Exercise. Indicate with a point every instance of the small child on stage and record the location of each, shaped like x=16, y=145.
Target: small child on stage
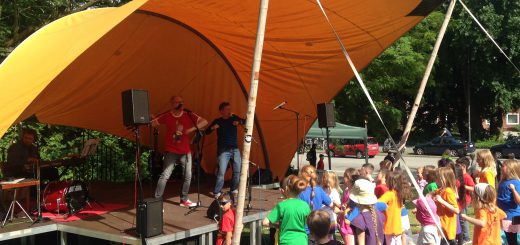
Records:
x=227, y=223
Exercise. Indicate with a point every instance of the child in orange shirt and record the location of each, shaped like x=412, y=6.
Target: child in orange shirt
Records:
x=399, y=189
x=488, y=170
x=488, y=216
x=446, y=200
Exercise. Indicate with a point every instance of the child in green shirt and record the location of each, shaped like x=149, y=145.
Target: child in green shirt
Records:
x=290, y=214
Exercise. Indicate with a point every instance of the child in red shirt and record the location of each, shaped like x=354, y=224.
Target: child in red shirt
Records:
x=321, y=164
x=381, y=187
x=227, y=222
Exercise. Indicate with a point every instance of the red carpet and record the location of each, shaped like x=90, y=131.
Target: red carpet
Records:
x=87, y=212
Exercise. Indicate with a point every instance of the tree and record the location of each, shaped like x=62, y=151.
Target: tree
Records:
x=468, y=58
x=392, y=81
x=20, y=18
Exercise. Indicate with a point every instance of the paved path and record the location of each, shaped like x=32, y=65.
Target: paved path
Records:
x=339, y=164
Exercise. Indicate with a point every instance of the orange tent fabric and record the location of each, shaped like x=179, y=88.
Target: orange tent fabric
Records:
x=72, y=71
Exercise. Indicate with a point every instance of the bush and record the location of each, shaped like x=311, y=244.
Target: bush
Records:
x=488, y=143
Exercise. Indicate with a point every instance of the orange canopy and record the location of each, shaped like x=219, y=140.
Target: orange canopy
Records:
x=72, y=71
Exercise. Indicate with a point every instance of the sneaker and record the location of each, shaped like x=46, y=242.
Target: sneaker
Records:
x=217, y=195
x=235, y=192
x=188, y=204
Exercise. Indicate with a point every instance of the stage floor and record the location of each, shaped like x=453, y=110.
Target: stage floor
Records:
x=117, y=226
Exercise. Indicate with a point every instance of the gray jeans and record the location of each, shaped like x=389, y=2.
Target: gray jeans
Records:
x=169, y=163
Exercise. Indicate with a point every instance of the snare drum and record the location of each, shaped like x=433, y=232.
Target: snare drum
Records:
x=65, y=196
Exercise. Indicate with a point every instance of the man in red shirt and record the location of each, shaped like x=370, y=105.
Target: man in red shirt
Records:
x=179, y=124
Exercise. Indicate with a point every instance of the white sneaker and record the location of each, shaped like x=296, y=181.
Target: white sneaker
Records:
x=188, y=204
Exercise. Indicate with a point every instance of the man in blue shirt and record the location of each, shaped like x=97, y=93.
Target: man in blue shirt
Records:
x=227, y=146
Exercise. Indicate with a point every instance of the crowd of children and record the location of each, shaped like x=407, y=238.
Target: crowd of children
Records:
x=372, y=211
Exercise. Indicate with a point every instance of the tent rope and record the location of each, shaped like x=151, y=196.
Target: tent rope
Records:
x=362, y=84
x=488, y=35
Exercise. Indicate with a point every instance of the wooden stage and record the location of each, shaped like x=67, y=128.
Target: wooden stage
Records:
x=117, y=226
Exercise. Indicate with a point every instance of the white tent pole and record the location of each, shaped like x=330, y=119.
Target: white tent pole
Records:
x=426, y=76
x=255, y=74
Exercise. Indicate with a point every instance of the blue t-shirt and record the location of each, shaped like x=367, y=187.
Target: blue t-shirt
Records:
x=381, y=207
x=320, y=197
x=506, y=199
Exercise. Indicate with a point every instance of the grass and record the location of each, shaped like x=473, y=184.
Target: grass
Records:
x=415, y=226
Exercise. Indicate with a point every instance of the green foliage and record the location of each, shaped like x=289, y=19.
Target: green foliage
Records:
x=392, y=81
x=468, y=66
x=488, y=143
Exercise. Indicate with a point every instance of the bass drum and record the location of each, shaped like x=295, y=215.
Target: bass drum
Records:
x=65, y=196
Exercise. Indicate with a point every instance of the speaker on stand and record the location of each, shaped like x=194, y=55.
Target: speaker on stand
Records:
x=326, y=119
x=136, y=113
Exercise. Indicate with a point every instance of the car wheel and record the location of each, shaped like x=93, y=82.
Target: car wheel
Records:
x=419, y=151
x=359, y=154
x=454, y=153
x=498, y=154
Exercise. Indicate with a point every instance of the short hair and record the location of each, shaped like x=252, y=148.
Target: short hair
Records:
x=223, y=105
x=319, y=223
x=463, y=161
x=368, y=165
x=225, y=198
x=29, y=131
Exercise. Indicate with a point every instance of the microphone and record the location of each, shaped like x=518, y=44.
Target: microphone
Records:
x=279, y=106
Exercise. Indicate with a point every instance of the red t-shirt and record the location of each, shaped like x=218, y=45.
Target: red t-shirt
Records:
x=174, y=124
x=321, y=165
x=469, y=182
x=227, y=224
x=380, y=190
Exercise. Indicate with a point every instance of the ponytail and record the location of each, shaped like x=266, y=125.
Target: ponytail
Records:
x=312, y=194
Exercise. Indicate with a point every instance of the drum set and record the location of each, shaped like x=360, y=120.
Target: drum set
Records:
x=70, y=196
x=65, y=196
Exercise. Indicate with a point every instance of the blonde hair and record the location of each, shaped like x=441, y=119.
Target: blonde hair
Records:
x=513, y=169
x=325, y=182
x=374, y=221
x=304, y=174
x=487, y=201
x=489, y=161
x=446, y=178
x=349, y=172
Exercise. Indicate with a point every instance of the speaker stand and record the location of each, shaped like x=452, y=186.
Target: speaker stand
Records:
x=297, y=116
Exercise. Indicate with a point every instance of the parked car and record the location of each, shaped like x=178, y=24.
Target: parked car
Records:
x=512, y=146
x=355, y=147
x=438, y=145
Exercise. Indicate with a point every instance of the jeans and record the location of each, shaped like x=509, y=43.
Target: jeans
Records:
x=224, y=157
x=170, y=159
x=464, y=225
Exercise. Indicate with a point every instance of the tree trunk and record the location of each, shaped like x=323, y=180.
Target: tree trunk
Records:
x=251, y=106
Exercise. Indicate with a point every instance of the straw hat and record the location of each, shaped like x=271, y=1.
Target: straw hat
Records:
x=363, y=192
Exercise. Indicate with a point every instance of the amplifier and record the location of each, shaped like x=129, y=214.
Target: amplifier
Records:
x=150, y=217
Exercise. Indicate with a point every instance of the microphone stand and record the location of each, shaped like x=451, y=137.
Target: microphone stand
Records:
x=297, y=115
x=39, y=218
x=200, y=146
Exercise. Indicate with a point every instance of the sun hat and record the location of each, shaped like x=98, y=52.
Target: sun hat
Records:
x=363, y=192
x=480, y=189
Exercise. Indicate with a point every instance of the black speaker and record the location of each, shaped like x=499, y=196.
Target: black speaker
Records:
x=326, y=118
x=150, y=217
x=135, y=107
